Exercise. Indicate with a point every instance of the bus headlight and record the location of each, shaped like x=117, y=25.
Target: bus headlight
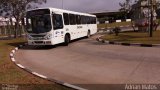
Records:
x=29, y=37
x=49, y=36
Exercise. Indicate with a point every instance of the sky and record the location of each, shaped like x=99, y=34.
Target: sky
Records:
x=87, y=6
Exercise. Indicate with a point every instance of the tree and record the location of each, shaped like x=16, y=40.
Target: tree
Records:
x=127, y=7
x=17, y=8
x=141, y=17
x=116, y=30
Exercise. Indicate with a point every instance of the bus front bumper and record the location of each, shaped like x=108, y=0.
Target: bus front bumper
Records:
x=40, y=42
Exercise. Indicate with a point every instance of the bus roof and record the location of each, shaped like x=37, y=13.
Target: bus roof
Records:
x=62, y=10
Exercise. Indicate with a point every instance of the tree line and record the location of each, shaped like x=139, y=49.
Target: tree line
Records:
x=16, y=9
x=133, y=7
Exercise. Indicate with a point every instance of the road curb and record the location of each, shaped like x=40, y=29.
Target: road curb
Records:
x=127, y=44
x=12, y=53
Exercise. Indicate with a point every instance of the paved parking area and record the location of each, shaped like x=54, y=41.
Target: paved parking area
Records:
x=89, y=62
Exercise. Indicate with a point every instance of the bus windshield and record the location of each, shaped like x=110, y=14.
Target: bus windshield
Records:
x=39, y=23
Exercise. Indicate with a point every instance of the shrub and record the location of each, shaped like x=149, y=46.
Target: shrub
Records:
x=116, y=30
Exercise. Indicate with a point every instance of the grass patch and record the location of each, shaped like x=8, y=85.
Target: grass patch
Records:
x=3, y=35
x=135, y=37
x=11, y=74
x=115, y=24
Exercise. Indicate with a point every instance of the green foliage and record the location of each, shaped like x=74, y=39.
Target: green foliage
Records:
x=134, y=37
x=125, y=6
x=113, y=25
x=116, y=30
x=17, y=9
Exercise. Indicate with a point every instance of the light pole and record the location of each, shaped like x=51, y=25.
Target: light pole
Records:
x=149, y=16
x=151, y=19
x=62, y=4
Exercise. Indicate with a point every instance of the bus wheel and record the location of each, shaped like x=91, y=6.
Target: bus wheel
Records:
x=88, y=34
x=66, y=40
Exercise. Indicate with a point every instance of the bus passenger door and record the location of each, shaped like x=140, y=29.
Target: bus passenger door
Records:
x=58, y=28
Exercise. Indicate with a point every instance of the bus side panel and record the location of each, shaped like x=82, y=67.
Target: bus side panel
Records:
x=92, y=28
x=58, y=37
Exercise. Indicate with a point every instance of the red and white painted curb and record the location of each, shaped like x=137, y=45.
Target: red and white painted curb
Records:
x=12, y=53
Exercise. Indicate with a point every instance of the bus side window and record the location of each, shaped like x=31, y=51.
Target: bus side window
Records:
x=57, y=21
x=88, y=20
x=78, y=19
x=94, y=21
x=66, y=18
x=84, y=20
x=72, y=19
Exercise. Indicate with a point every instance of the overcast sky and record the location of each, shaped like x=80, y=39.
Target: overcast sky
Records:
x=85, y=5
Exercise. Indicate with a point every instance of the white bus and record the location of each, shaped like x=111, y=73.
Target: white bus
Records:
x=50, y=26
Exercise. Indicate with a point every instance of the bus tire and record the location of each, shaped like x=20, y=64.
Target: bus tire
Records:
x=88, y=34
x=66, y=40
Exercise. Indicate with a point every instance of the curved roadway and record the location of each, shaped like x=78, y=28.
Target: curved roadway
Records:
x=87, y=62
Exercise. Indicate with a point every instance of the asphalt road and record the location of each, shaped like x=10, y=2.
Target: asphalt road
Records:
x=86, y=62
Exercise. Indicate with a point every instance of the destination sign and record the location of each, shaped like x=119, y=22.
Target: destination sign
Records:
x=38, y=12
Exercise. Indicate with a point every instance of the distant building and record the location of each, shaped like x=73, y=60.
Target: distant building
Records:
x=111, y=16
x=5, y=21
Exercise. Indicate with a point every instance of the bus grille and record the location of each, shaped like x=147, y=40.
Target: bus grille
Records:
x=38, y=42
x=37, y=35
